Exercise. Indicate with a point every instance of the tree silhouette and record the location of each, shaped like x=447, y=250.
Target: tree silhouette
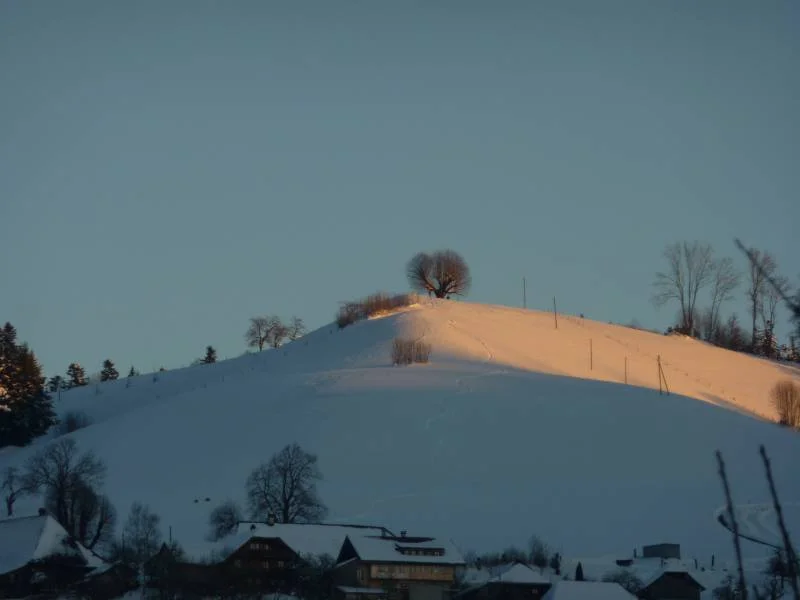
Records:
x=442, y=273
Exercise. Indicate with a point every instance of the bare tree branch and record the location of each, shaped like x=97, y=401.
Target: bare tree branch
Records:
x=256, y=335
x=443, y=273
x=689, y=269
x=787, y=542
x=725, y=279
x=296, y=329
x=734, y=524
x=286, y=487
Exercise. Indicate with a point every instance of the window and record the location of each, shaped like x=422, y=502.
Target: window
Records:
x=265, y=564
x=280, y=564
x=237, y=563
x=360, y=574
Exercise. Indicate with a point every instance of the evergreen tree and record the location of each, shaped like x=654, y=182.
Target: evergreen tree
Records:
x=133, y=372
x=579, y=573
x=26, y=410
x=769, y=346
x=55, y=383
x=109, y=372
x=210, y=357
x=77, y=376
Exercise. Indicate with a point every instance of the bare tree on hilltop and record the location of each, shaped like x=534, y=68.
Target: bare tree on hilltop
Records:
x=763, y=270
x=297, y=328
x=285, y=487
x=271, y=331
x=443, y=273
x=690, y=268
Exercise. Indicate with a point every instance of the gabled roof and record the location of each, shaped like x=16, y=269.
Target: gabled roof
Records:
x=587, y=590
x=390, y=550
x=26, y=539
x=302, y=538
x=671, y=571
x=520, y=573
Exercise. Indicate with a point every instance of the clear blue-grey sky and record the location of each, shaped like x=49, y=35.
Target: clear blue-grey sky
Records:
x=170, y=168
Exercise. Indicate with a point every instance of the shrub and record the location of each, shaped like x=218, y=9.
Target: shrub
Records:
x=374, y=304
x=405, y=352
x=786, y=400
x=73, y=421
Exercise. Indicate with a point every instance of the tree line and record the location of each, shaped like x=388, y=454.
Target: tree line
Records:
x=699, y=284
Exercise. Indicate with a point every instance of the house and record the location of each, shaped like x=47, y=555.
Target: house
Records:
x=405, y=568
x=256, y=556
x=587, y=590
x=672, y=584
x=516, y=582
x=664, y=551
x=38, y=555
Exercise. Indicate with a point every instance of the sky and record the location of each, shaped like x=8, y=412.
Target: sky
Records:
x=170, y=169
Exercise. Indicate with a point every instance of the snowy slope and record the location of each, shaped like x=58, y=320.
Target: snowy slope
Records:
x=506, y=433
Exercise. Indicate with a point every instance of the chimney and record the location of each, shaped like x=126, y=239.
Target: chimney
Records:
x=271, y=519
x=403, y=533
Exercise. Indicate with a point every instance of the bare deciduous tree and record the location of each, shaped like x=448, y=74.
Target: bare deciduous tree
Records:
x=442, y=273
x=13, y=487
x=276, y=332
x=286, y=488
x=539, y=552
x=785, y=398
x=223, y=520
x=725, y=279
x=141, y=536
x=69, y=480
x=771, y=297
x=690, y=267
x=256, y=335
x=90, y=516
x=297, y=328
x=762, y=266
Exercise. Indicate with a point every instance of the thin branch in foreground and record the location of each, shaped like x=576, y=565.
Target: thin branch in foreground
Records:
x=734, y=525
x=791, y=556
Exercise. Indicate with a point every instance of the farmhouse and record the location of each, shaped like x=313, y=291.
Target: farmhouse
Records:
x=672, y=584
x=405, y=568
x=38, y=555
x=517, y=582
x=256, y=557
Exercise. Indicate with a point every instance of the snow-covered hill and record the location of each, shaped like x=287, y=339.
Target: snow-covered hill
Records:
x=507, y=432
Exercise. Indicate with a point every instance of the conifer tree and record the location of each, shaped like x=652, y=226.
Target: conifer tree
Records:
x=109, y=372
x=210, y=357
x=26, y=411
x=77, y=375
x=579, y=573
x=133, y=372
x=55, y=383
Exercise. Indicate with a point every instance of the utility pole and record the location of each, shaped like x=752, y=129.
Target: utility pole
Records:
x=524, y=294
x=555, y=312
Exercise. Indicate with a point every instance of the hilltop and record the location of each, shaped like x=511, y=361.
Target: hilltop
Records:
x=507, y=432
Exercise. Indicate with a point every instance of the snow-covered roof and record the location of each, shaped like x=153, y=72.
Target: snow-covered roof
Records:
x=32, y=538
x=388, y=549
x=668, y=571
x=520, y=573
x=303, y=538
x=587, y=590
